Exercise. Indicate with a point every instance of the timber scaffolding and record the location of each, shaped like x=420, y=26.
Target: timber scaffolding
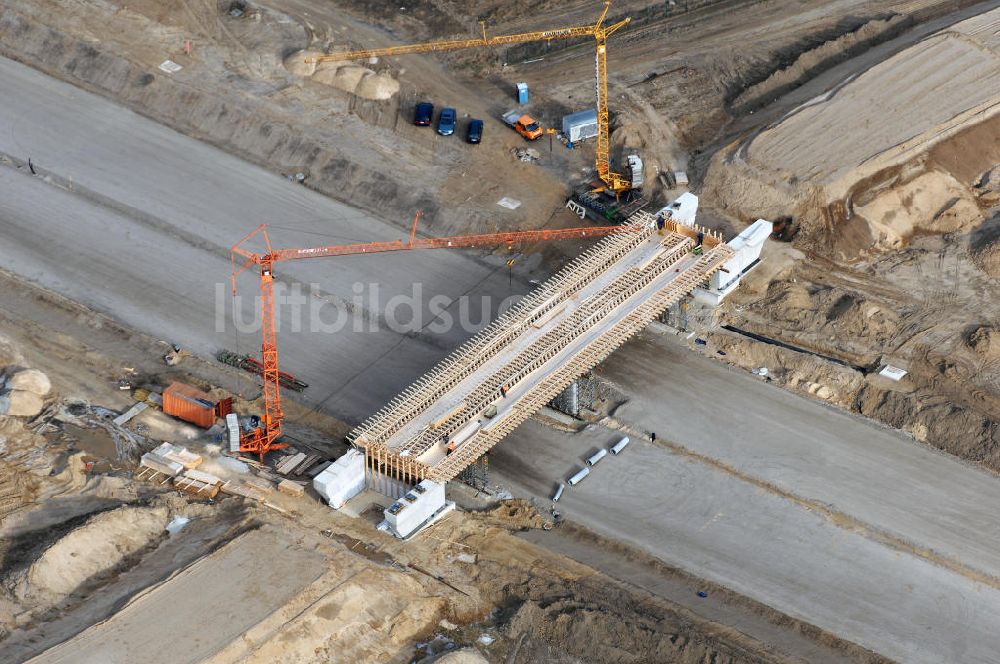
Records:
x=475, y=397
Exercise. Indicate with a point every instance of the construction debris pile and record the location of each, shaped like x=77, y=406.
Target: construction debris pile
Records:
x=23, y=392
x=528, y=155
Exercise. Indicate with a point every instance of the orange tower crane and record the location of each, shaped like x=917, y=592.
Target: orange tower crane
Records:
x=264, y=438
x=613, y=182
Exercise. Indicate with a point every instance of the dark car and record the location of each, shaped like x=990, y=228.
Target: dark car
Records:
x=475, y=132
x=423, y=113
x=446, y=121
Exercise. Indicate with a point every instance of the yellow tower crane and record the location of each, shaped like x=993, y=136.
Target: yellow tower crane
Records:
x=613, y=182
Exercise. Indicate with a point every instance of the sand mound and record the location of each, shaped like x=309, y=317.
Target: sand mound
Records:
x=464, y=656
x=517, y=514
x=985, y=341
x=855, y=316
x=347, y=76
x=789, y=301
x=984, y=249
x=331, y=66
x=933, y=202
x=988, y=260
x=326, y=73
x=600, y=631
x=30, y=380
x=377, y=86
x=95, y=548
x=19, y=403
x=21, y=393
x=297, y=64
x=791, y=295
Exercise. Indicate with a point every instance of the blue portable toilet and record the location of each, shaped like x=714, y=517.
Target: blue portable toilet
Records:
x=522, y=93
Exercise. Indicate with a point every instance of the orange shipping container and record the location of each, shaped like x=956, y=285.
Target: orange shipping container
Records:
x=189, y=404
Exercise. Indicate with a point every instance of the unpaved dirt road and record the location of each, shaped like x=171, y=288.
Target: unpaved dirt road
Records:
x=138, y=220
x=797, y=505
x=223, y=590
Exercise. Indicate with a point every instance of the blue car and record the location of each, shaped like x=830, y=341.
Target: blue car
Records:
x=446, y=121
x=423, y=113
x=475, y=131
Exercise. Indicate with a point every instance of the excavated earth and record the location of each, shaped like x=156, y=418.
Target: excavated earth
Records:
x=884, y=182
x=892, y=258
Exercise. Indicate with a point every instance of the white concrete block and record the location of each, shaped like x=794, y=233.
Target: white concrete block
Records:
x=342, y=480
x=409, y=513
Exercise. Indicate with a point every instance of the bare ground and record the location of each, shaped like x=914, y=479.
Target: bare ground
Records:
x=389, y=601
x=689, y=79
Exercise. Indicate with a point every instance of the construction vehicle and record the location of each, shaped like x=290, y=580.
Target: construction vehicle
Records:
x=263, y=438
x=524, y=124
x=611, y=182
x=606, y=209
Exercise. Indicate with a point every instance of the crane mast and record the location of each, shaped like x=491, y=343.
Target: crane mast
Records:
x=273, y=414
x=264, y=438
x=613, y=182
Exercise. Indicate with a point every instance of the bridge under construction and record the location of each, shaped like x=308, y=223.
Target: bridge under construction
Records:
x=470, y=401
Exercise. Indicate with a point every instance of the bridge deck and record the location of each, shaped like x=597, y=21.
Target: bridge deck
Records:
x=475, y=397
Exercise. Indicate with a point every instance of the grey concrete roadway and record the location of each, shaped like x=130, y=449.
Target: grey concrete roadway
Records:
x=703, y=520
x=878, y=476
x=728, y=516
x=141, y=224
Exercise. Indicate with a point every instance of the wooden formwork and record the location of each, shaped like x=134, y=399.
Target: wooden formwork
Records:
x=709, y=238
x=389, y=473
x=589, y=313
x=442, y=378
x=392, y=469
x=594, y=353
